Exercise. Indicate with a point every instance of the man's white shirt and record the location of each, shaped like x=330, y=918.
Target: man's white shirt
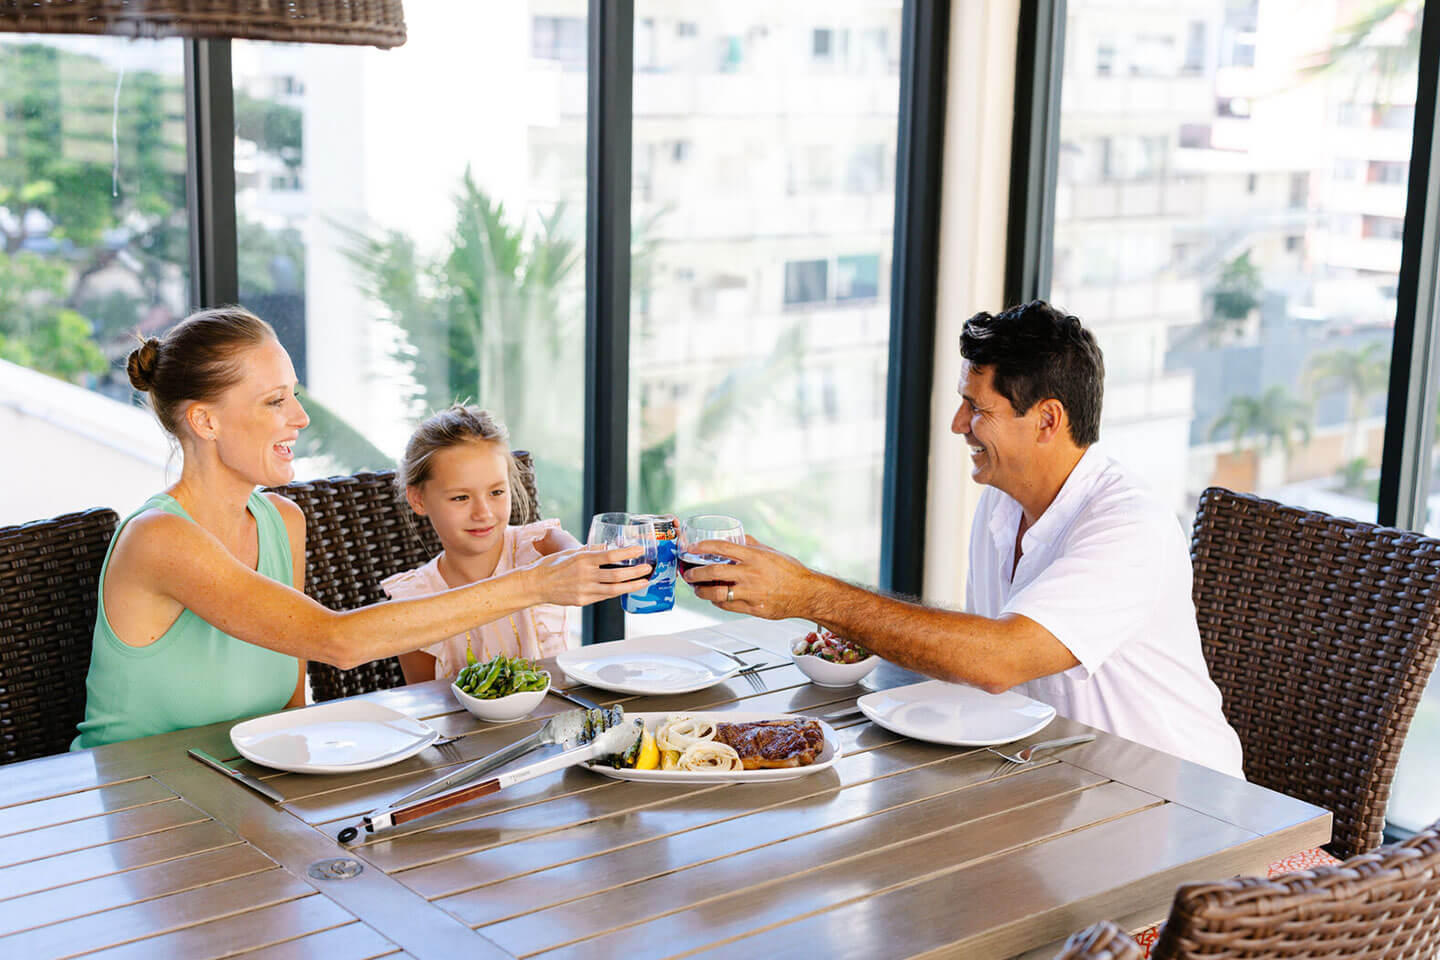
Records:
x=1106, y=569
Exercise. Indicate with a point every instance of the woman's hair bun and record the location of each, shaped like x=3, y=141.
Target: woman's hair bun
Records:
x=141, y=364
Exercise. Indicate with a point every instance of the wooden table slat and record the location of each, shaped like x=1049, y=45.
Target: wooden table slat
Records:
x=746, y=816
x=151, y=917
x=119, y=889
x=997, y=897
x=82, y=805
x=96, y=831
x=227, y=936
x=92, y=862
x=790, y=879
x=354, y=941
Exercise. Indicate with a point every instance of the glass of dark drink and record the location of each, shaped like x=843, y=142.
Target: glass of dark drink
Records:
x=708, y=526
x=615, y=530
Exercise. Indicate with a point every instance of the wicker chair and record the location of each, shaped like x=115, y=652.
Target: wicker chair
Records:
x=1321, y=633
x=1383, y=905
x=49, y=575
x=357, y=533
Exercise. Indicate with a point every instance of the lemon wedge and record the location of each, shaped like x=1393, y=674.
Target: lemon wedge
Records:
x=649, y=757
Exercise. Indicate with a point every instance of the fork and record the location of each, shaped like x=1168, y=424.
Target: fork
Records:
x=447, y=748
x=1024, y=756
x=750, y=671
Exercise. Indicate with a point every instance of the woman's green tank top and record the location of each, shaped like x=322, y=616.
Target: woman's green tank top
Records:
x=194, y=674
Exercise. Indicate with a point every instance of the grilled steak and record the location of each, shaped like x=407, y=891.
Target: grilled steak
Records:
x=773, y=743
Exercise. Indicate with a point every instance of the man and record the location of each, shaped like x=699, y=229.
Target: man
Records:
x=1079, y=579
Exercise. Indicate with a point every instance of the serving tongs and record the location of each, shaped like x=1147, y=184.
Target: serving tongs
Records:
x=620, y=741
x=569, y=729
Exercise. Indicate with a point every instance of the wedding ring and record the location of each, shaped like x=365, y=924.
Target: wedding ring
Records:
x=730, y=594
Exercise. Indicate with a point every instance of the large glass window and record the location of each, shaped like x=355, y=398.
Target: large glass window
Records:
x=1229, y=220
x=94, y=245
x=1231, y=198
x=412, y=222
x=764, y=199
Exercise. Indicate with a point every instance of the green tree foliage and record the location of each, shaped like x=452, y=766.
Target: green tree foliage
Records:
x=1360, y=373
x=1236, y=292
x=36, y=330
x=1271, y=418
x=60, y=194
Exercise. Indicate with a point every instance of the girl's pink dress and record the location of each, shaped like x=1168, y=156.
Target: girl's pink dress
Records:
x=540, y=631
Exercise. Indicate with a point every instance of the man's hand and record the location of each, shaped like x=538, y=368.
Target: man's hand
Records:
x=761, y=581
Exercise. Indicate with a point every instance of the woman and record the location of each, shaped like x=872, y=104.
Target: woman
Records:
x=201, y=615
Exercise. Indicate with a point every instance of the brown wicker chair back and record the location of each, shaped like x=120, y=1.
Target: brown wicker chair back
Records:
x=1383, y=905
x=1376, y=906
x=1321, y=633
x=358, y=531
x=49, y=590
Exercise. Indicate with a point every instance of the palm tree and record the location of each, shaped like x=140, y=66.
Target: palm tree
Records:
x=1273, y=417
x=1360, y=373
x=1383, y=40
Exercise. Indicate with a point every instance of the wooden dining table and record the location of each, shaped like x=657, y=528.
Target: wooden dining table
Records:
x=902, y=848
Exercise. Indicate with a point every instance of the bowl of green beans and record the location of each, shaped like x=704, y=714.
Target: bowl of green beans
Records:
x=501, y=688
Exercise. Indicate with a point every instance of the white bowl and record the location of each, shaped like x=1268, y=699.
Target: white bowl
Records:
x=827, y=674
x=513, y=707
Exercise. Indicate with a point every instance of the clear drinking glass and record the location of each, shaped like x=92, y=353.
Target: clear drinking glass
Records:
x=710, y=526
x=615, y=530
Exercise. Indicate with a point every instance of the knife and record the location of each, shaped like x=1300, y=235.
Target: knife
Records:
x=569, y=729
x=617, y=741
x=249, y=781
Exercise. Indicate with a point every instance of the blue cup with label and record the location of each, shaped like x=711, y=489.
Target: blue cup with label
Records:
x=659, y=596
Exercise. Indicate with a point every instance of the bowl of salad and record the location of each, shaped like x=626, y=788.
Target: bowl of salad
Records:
x=501, y=688
x=830, y=661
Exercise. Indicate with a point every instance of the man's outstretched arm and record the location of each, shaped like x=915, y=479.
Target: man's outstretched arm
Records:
x=993, y=654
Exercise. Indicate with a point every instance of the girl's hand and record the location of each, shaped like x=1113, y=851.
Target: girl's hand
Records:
x=578, y=578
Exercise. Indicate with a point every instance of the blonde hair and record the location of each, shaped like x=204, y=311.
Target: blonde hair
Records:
x=196, y=361
x=456, y=425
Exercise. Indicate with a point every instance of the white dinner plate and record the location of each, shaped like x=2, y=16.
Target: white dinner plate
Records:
x=824, y=761
x=339, y=737
x=648, y=666
x=955, y=714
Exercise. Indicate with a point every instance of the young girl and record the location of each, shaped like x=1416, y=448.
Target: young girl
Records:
x=459, y=474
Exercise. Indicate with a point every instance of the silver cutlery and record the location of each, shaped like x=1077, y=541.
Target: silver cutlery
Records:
x=615, y=741
x=1025, y=754
x=569, y=729
x=249, y=781
x=578, y=701
x=750, y=671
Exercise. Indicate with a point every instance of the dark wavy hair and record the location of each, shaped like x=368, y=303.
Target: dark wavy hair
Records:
x=1037, y=352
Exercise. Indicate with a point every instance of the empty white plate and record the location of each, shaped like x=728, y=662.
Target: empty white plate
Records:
x=340, y=737
x=955, y=714
x=648, y=666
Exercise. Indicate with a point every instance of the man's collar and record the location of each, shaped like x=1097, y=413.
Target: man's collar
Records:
x=1004, y=519
x=1070, y=498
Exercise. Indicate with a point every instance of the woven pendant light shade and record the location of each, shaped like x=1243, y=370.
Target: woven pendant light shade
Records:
x=379, y=23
